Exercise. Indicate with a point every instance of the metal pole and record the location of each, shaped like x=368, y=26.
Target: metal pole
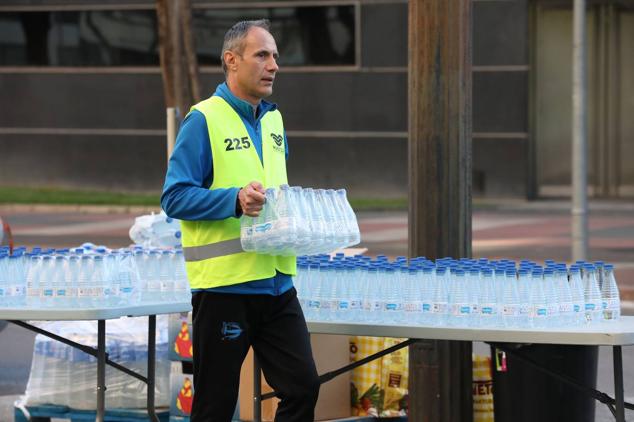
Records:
x=171, y=131
x=579, y=136
x=151, y=368
x=101, y=370
x=619, y=396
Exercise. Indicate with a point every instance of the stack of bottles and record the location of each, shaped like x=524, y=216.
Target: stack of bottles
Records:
x=460, y=293
x=156, y=231
x=301, y=221
x=66, y=376
x=91, y=277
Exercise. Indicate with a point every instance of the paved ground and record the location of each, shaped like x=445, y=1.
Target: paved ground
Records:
x=514, y=230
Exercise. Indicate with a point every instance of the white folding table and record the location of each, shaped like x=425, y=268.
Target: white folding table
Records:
x=19, y=316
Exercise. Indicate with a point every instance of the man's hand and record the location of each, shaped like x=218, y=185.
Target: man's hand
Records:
x=251, y=199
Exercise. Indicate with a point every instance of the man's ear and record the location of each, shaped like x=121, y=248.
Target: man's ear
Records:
x=230, y=59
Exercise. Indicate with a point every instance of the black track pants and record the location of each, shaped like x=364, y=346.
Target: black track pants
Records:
x=225, y=325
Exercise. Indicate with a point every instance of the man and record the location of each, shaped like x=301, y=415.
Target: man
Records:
x=229, y=149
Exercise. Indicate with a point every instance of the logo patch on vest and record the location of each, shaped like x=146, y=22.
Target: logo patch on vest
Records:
x=279, y=140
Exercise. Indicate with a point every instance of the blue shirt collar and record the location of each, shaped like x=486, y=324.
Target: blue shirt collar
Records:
x=242, y=107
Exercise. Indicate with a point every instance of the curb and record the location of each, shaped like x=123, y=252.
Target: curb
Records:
x=82, y=209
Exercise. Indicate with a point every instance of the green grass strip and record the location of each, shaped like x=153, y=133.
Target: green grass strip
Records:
x=22, y=195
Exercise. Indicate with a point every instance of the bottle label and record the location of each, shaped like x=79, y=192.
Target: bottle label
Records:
x=439, y=308
x=539, y=312
x=565, y=308
x=612, y=304
x=84, y=292
x=33, y=292
x=153, y=286
x=488, y=309
x=427, y=307
x=576, y=308
x=511, y=310
x=60, y=292
x=344, y=305
x=525, y=310
x=590, y=306
x=314, y=304
x=375, y=306
x=2, y=292
x=414, y=307
x=476, y=309
x=553, y=309
x=458, y=309
x=355, y=304
x=97, y=292
x=47, y=292
x=391, y=307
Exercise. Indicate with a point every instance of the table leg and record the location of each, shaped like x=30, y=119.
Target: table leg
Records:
x=101, y=370
x=151, y=367
x=617, y=363
x=257, y=391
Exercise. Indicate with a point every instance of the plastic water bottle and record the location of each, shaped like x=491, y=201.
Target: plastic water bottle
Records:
x=98, y=282
x=510, y=300
x=314, y=300
x=47, y=291
x=302, y=219
x=413, y=292
x=552, y=299
x=84, y=283
x=33, y=290
x=353, y=276
x=592, y=295
x=325, y=212
x=610, y=295
x=373, y=302
x=459, y=301
x=564, y=293
x=181, y=286
x=578, y=296
x=393, y=306
x=352, y=226
x=488, y=304
x=440, y=299
x=58, y=277
x=538, y=302
x=523, y=289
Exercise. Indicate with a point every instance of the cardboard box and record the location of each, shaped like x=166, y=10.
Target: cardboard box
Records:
x=180, y=336
x=330, y=352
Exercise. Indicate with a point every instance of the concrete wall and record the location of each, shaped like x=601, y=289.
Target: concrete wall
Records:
x=347, y=128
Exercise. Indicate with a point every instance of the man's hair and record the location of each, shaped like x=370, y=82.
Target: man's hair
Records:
x=234, y=38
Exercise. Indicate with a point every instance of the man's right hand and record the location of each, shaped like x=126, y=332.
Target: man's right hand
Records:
x=251, y=199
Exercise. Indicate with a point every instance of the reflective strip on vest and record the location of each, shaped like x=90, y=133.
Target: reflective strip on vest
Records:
x=212, y=250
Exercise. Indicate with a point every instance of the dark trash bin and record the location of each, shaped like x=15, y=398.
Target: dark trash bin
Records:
x=525, y=394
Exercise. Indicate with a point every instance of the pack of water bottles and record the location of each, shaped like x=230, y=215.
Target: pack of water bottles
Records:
x=301, y=221
x=156, y=231
x=459, y=293
x=66, y=376
x=91, y=277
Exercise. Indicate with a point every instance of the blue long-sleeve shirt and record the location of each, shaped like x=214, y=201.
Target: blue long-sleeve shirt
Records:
x=186, y=194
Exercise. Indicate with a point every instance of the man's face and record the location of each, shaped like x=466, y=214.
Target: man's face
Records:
x=257, y=65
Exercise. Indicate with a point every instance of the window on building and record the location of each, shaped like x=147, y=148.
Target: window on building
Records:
x=83, y=38
x=306, y=36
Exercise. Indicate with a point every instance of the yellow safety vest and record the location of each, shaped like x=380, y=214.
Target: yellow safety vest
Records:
x=213, y=255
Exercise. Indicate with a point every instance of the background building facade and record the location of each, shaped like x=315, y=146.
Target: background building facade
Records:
x=82, y=99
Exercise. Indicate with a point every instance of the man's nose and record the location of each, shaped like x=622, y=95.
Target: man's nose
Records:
x=272, y=65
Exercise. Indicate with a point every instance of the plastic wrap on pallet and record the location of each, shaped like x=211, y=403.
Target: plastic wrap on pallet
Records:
x=63, y=375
